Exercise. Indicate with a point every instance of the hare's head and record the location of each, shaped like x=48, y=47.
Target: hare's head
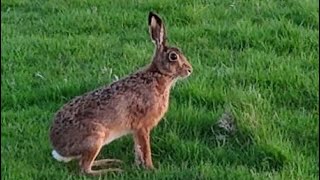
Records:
x=168, y=60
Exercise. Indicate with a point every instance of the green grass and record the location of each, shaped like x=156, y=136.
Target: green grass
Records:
x=258, y=59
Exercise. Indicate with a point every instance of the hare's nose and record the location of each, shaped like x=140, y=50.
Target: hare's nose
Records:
x=189, y=71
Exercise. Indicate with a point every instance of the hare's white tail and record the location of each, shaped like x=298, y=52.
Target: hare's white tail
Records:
x=60, y=158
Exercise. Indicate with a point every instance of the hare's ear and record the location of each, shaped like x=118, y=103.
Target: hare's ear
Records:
x=156, y=30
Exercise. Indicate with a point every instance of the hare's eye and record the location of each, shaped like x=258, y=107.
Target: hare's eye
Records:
x=173, y=56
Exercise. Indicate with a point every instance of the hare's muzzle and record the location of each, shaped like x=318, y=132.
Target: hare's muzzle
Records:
x=186, y=72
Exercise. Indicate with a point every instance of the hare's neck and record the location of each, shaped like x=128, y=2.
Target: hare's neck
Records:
x=164, y=84
x=163, y=81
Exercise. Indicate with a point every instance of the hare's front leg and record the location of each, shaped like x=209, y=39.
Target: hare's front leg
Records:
x=142, y=148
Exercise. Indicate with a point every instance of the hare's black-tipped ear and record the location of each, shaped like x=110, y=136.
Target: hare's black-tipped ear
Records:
x=156, y=29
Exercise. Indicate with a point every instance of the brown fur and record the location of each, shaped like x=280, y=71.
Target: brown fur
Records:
x=134, y=104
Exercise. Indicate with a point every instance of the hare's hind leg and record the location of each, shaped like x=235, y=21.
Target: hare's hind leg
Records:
x=105, y=162
x=87, y=161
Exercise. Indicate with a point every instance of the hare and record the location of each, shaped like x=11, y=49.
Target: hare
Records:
x=132, y=105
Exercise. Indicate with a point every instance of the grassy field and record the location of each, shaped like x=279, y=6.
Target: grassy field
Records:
x=256, y=59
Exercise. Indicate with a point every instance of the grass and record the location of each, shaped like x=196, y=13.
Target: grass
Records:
x=257, y=59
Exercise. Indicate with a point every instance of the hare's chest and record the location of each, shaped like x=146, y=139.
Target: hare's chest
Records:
x=160, y=108
x=163, y=104
x=149, y=113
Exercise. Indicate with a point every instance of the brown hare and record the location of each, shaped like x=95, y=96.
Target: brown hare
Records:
x=132, y=105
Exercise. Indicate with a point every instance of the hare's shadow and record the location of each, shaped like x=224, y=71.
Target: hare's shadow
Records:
x=238, y=148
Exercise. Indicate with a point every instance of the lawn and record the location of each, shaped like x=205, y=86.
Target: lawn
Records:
x=256, y=60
